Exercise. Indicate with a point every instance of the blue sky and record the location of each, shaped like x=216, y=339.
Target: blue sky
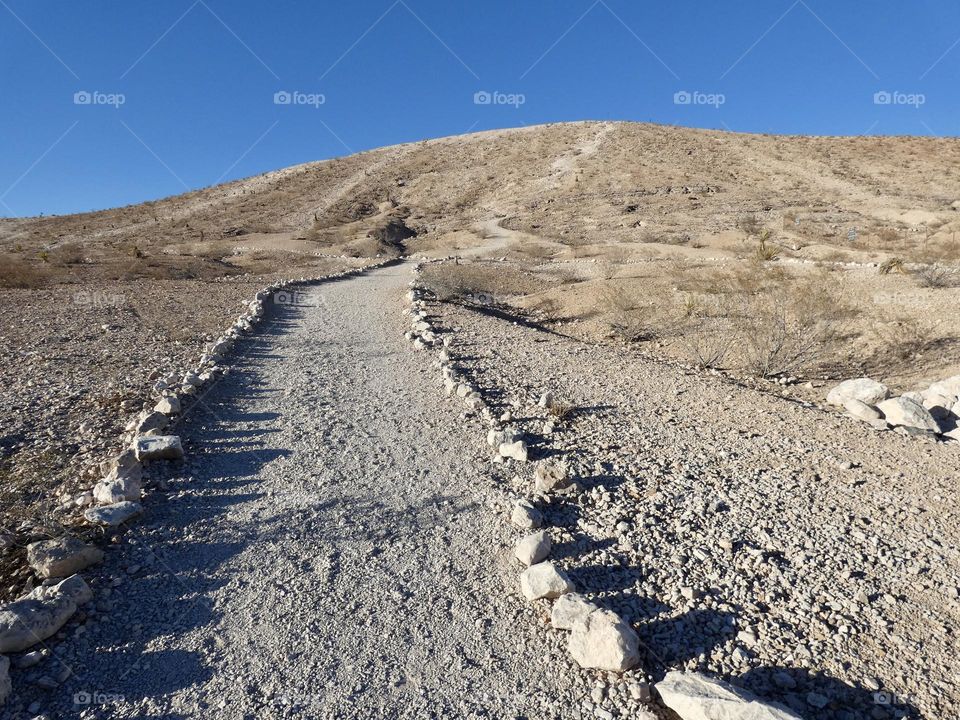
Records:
x=112, y=102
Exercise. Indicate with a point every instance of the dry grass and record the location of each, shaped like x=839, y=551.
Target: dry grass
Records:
x=18, y=273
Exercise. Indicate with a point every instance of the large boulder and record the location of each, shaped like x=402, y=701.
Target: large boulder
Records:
x=569, y=610
x=544, y=580
x=863, y=389
x=533, y=548
x=40, y=614
x=604, y=641
x=61, y=557
x=695, y=696
x=159, y=447
x=904, y=412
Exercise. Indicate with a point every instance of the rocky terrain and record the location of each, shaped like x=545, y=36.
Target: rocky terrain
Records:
x=675, y=425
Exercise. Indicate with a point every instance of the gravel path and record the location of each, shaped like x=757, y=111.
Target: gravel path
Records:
x=331, y=549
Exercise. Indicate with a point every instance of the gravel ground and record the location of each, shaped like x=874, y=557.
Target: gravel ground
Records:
x=333, y=547
x=76, y=362
x=786, y=548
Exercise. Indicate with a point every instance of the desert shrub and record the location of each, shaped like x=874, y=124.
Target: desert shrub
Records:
x=16, y=273
x=70, y=253
x=765, y=249
x=891, y=265
x=706, y=344
x=789, y=326
x=935, y=276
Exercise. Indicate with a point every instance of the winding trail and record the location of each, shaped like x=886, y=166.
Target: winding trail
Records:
x=332, y=550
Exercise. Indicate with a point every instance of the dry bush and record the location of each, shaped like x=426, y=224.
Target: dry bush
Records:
x=70, y=253
x=789, y=327
x=627, y=319
x=706, y=344
x=935, y=276
x=907, y=337
x=891, y=265
x=16, y=273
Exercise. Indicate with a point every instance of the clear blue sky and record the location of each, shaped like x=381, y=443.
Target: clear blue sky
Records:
x=198, y=80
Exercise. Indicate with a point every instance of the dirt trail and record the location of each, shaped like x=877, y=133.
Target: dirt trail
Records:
x=331, y=550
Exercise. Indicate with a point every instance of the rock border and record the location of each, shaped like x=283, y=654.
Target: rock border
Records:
x=599, y=639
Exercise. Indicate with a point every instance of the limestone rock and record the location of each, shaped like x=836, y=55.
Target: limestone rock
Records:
x=533, y=548
x=113, y=515
x=151, y=423
x=862, y=411
x=40, y=614
x=604, y=641
x=865, y=390
x=551, y=476
x=543, y=580
x=515, y=450
x=61, y=557
x=569, y=610
x=526, y=516
x=159, y=447
x=125, y=487
x=905, y=412
x=168, y=405
x=695, y=696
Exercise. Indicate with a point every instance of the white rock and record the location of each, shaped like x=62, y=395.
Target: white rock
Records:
x=515, y=450
x=865, y=390
x=61, y=557
x=168, y=405
x=40, y=614
x=526, y=516
x=862, y=411
x=151, y=423
x=604, y=641
x=160, y=447
x=569, y=610
x=547, y=400
x=908, y=413
x=533, y=548
x=550, y=476
x=695, y=696
x=110, y=492
x=544, y=580
x=113, y=515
